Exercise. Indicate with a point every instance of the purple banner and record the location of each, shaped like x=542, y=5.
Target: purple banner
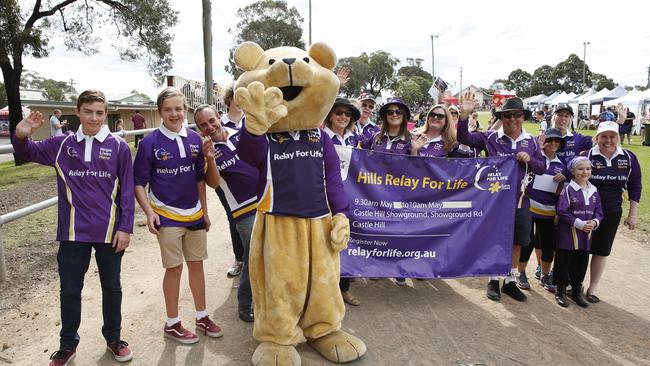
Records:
x=424, y=217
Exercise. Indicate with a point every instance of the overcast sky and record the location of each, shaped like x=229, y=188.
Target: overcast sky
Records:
x=488, y=39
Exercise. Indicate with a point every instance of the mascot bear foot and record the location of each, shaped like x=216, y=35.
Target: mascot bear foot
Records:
x=272, y=354
x=339, y=347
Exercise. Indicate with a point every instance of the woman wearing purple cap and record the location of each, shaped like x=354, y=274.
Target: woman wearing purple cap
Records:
x=615, y=170
x=393, y=136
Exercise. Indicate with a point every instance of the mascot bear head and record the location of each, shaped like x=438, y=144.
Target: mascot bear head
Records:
x=308, y=85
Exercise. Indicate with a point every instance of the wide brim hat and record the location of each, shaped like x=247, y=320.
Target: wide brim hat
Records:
x=554, y=133
x=344, y=102
x=383, y=110
x=607, y=126
x=514, y=104
x=564, y=107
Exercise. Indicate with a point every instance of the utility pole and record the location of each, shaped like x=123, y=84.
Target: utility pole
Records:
x=648, y=85
x=72, y=85
x=207, y=51
x=433, y=59
x=584, y=65
x=460, y=93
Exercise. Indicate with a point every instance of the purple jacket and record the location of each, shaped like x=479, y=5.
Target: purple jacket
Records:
x=542, y=203
x=612, y=177
x=396, y=145
x=239, y=179
x=172, y=165
x=366, y=132
x=299, y=173
x=574, y=208
x=94, y=183
x=496, y=143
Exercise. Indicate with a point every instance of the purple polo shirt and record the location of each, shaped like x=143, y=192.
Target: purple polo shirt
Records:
x=351, y=138
x=94, y=183
x=395, y=145
x=367, y=131
x=542, y=203
x=612, y=177
x=300, y=173
x=575, y=144
x=225, y=121
x=172, y=164
x=497, y=143
x=238, y=178
x=434, y=148
x=575, y=207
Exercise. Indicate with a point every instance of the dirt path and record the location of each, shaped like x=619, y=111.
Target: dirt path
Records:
x=448, y=322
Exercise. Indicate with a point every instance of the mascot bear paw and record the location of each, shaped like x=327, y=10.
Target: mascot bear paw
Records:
x=339, y=347
x=271, y=354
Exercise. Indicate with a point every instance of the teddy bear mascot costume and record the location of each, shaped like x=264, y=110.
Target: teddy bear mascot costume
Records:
x=301, y=223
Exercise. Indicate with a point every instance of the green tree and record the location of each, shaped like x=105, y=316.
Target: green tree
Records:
x=411, y=71
x=269, y=23
x=51, y=89
x=600, y=81
x=142, y=28
x=409, y=91
x=542, y=81
x=520, y=81
x=369, y=73
x=568, y=74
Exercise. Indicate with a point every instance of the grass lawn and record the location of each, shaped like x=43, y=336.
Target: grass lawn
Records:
x=641, y=152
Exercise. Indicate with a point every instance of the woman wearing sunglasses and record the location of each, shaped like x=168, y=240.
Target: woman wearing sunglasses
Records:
x=339, y=123
x=393, y=136
x=437, y=138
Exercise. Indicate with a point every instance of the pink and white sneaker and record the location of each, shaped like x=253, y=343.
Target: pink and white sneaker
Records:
x=208, y=327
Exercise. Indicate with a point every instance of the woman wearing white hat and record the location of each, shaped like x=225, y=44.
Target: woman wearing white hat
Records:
x=614, y=170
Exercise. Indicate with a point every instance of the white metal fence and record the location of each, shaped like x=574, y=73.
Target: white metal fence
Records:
x=26, y=211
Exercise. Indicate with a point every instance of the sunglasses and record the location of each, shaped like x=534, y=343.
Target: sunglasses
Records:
x=437, y=115
x=347, y=113
x=454, y=113
x=506, y=115
x=397, y=112
x=368, y=105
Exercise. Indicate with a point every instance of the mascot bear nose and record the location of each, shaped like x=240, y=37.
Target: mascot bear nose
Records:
x=289, y=60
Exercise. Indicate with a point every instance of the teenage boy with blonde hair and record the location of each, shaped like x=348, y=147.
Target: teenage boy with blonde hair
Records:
x=95, y=189
x=170, y=161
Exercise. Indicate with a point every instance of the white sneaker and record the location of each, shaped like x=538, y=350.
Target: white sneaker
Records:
x=235, y=269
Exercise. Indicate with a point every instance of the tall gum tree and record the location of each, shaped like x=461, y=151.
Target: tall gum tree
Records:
x=137, y=29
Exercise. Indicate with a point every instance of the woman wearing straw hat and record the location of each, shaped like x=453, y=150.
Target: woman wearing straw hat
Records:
x=615, y=170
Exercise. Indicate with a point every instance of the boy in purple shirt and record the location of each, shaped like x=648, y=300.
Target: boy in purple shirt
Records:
x=580, y=212
x=95, y=189
x=170, y=161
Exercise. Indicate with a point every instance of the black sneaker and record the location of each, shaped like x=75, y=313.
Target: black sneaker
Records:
x=578, y=297
x=493, y=292
x=513, y=291
x=560, y=296
x=246, y=315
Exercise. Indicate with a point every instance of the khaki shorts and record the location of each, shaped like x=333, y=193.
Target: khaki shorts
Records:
x=178, y=243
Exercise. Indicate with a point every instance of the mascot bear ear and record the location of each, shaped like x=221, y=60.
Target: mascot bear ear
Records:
x=247, y=55
x=323, y=54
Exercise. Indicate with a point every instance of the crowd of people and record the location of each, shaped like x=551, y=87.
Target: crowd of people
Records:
x=569, y=203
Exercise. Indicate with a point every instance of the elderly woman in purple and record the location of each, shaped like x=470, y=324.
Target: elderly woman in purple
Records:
x=393, y=136
x=615, y=170
x=438, y=135
x=579, y=210
x=339, y=123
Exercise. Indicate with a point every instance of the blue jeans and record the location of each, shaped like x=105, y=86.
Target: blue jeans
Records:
x=73, y=259
x=244, y=294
